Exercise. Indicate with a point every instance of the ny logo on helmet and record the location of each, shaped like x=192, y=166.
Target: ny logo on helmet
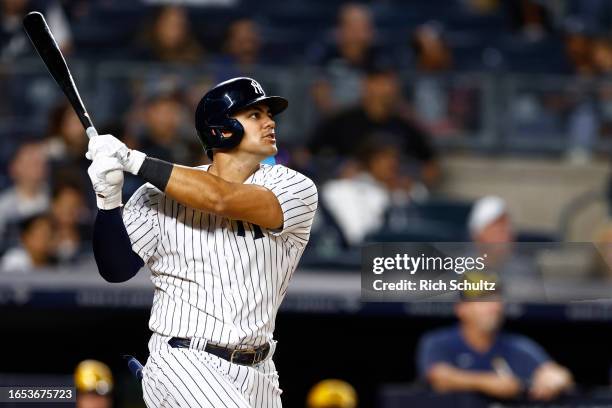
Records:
x=258, y=89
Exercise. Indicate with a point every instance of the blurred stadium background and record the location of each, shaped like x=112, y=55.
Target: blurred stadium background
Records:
x=403, y=112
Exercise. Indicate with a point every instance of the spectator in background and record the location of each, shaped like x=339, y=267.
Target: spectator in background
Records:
x=481, y=7
x=530, y=18
x=27, y=94
x=490, y=227
x=601, y=56
x=332, y=393
x=603, y=103
x=431, y=50
x=36, y=246
x=344, y=134
x=477, y=356
x=66, y=141
x=590, y=115
x=578, y=47
x=359, y=203
x=66, y=145
x=13, y=41
x=601, y=267
x=93, y=381
x=489, y=221
x=442, y=111
x=162, y=134
x=70, y=217
x=169, y=38
x=343, y=62
x=241, y=50
x=29, y=193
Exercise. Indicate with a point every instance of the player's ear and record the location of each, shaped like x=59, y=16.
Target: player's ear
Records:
x=226, y=133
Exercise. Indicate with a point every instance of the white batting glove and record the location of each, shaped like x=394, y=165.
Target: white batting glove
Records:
x=108, y=145
x=108, y=196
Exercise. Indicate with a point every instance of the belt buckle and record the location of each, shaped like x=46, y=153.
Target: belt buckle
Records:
x=234, y=351
x=256, y=356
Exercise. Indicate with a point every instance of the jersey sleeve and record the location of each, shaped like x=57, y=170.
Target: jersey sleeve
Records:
x=140, y=219
x=431, y=350
x=527, y=356
x=298, y=198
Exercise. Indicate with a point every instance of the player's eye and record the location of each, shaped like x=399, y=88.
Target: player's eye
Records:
x=254, y=115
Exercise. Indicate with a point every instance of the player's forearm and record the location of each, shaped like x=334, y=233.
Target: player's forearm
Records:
x=198, y=189
x=549, y=380
x=498, y=386
x=116, y=260
x=207, y=192
x=445, y=378
x=192, y=187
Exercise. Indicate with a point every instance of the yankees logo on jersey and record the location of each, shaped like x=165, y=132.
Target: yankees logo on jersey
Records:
x=218, y=280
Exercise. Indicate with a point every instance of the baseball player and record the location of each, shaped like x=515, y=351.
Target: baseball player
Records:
x=221, y=241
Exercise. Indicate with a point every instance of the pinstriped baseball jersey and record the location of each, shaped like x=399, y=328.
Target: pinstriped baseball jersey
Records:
x=215, y=278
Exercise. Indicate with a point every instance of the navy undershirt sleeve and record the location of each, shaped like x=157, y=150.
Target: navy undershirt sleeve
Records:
x=116, y=260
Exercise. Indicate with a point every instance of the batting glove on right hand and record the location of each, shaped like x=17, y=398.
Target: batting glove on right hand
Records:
x=108, y=196
x=108, y=145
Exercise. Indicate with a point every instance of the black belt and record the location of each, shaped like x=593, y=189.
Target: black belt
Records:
x=246, y=357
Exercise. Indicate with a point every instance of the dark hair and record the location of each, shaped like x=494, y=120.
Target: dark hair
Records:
x=435, y=26
x=15, y=149
x=27, y=223
x=56, y=116
x=191, y=51
x=231, y=27
x=70, y=185
x=68, y=177
x=373, y=145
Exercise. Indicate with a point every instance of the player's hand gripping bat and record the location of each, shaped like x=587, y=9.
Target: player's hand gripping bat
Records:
x=37, y=29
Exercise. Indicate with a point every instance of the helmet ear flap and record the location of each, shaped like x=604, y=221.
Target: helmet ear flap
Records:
x=214, y=138
x=236, y=128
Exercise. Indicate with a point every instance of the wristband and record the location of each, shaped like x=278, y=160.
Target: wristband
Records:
x=156, y=172
x=110, y=201
x=133, y=161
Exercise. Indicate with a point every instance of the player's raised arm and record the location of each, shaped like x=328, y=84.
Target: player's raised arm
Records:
x=116, y=260
x=207, y=192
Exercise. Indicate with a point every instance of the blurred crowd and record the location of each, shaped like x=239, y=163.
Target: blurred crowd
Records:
x=370, y=142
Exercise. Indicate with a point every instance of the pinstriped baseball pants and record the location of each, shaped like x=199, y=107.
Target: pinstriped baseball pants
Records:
x=189, y=378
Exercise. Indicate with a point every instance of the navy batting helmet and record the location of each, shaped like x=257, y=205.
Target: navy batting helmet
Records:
x=213, y=114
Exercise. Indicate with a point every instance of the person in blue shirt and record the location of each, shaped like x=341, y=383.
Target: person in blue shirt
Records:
x=477, y=356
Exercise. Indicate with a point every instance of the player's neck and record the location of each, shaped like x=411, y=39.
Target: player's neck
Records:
x=478, y=340
x=233, y=168
x=28, y=190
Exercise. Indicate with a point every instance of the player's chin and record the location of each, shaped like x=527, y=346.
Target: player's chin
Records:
x=269, y=149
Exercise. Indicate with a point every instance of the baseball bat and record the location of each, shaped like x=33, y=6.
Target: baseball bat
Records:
x=41, y=37
x=135, y=366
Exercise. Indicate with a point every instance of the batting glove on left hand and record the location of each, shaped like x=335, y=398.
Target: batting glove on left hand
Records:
x=108, y=145
x=108, y=196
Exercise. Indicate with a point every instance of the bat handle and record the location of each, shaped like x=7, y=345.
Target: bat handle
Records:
x=112, y=177
x=91, y=132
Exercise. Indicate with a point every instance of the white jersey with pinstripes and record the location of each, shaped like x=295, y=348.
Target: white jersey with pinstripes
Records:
x=215, y=278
